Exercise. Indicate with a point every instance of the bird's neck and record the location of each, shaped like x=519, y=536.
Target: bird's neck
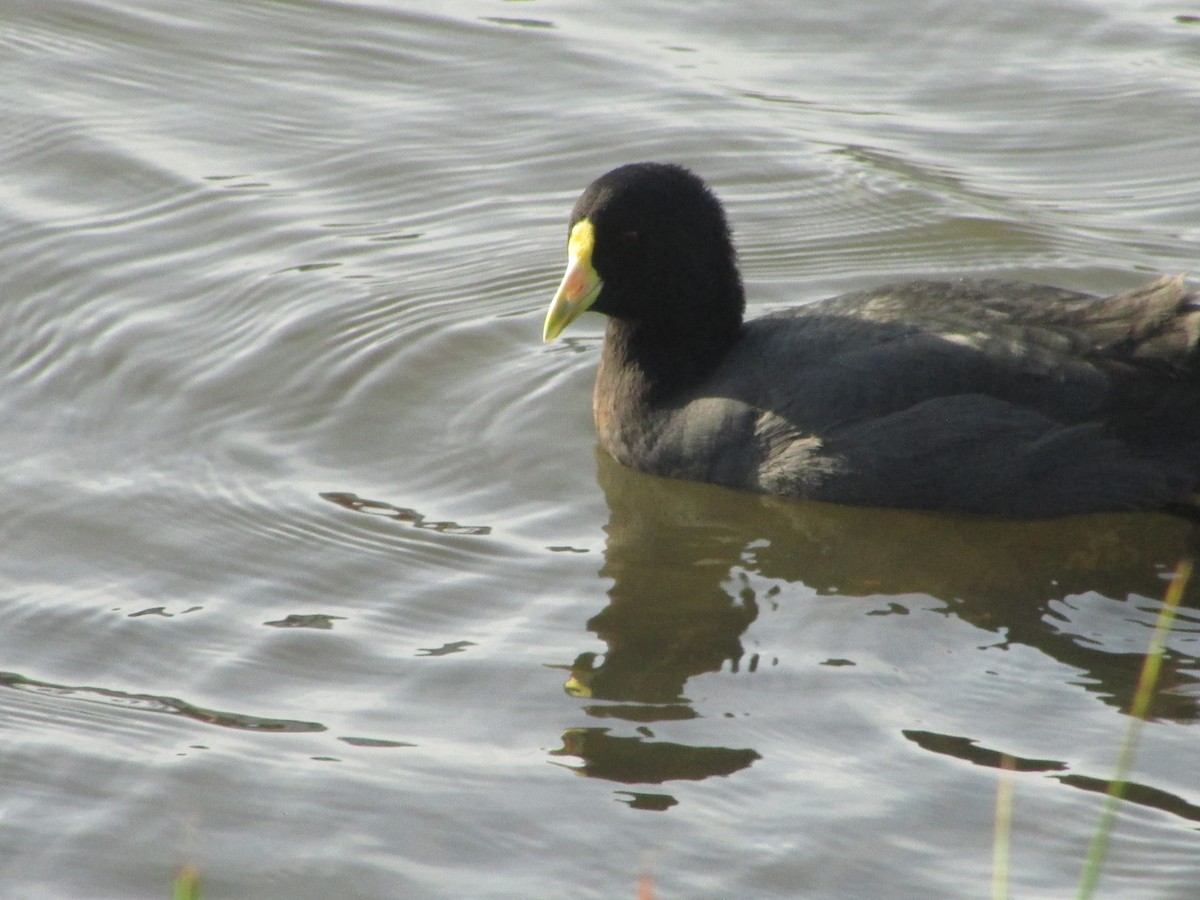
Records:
x=642, y=381
x=652, y=367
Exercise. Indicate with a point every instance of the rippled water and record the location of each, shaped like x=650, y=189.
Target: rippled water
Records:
x=304, y=532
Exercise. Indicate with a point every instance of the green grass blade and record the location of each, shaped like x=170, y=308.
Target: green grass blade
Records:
x=1147, y=682
x=186, y=885
x=1000, y=843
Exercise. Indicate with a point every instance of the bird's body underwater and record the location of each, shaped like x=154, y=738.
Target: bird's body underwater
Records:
x=991, y=397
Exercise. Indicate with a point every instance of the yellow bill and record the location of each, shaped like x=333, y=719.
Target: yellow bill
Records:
x=580, y=285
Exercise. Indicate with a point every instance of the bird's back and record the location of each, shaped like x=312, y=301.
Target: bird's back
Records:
x=984, y=396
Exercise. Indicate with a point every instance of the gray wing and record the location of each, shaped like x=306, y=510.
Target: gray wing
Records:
x=968, y=453
x=968, y=396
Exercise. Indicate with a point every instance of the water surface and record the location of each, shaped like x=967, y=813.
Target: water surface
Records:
x=312, y=577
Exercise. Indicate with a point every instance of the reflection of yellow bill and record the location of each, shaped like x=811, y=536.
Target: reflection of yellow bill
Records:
x=578, y=687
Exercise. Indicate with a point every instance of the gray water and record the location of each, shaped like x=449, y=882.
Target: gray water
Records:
x=311, y=575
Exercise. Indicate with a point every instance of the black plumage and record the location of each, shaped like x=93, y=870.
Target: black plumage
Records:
x=987, y=396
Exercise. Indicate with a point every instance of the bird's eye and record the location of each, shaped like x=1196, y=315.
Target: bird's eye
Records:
x=630, y=238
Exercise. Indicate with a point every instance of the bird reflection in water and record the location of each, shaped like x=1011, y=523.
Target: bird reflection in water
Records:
x=679, y=602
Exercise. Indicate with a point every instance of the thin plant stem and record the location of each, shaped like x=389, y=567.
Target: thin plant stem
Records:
x=1000, y=843
x=186, y=885
x=1147, y=682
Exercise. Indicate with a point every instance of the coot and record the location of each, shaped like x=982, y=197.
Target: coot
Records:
x=977, y=396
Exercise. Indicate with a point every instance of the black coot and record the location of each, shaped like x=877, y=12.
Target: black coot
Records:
x=990, y=397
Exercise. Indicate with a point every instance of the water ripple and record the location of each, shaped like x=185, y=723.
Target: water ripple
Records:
x=153, y=703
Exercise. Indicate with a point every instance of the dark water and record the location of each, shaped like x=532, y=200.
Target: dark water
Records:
x=304, y=531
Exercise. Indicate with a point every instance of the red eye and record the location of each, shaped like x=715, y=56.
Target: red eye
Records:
x=630, y=238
